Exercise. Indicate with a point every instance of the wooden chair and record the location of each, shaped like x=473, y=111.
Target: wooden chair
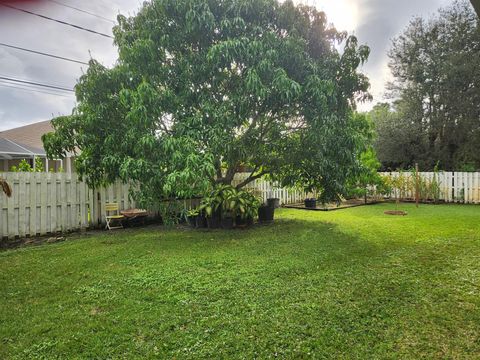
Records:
x=116, y=217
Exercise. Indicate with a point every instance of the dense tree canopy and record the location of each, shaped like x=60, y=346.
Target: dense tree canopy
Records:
x=436, y=115
x=203, y=87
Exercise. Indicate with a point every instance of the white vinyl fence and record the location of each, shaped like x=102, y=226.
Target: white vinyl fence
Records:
x=49, y=203
x=266, y=189
x=455, y=187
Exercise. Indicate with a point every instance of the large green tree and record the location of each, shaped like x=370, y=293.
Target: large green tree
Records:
x=400, y=143
x=436, y=69
x=204, y=87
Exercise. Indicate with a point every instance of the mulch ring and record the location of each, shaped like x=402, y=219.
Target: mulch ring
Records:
x=395, y=212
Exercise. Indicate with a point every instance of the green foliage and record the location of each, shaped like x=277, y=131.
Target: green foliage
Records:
x=366, y=181
x=404, y=185
x=24, y=166
x=192, y=212
x=399, y=142
x=436, y=85
x=400, y=185
x=204, y=86
x=39, y=165
x=227, y=200
x=468, y=167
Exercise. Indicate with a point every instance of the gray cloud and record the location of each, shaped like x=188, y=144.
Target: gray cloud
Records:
x=379, y=21
x=20, y=107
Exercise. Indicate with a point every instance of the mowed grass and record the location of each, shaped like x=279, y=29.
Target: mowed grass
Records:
x=351, y=284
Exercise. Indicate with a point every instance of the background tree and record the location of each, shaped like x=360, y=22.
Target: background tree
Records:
x=399, y=142
x=436, y=69
x=202, y=87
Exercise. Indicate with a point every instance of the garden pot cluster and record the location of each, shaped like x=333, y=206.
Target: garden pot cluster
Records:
x=225, y=207
x=224, y=219
x=216, y=221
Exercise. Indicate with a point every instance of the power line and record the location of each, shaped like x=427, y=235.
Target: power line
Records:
x=36, y=84
x=83, y=11
x=58, y=21
x=44, y=54
x=8, y=85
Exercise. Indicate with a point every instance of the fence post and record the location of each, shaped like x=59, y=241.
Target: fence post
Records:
x=416, y=185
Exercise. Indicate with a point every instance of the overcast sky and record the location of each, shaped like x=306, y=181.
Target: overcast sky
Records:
x=375, y=22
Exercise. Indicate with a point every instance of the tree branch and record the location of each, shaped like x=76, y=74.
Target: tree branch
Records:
x=251, y=178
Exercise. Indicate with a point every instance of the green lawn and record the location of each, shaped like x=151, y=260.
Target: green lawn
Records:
x=345, y=284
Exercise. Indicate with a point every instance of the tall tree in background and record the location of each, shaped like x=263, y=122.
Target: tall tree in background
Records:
x=436, y=69
x=399, y=142
x=203, y=87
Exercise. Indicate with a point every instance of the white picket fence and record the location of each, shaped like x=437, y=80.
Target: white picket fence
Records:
x=455, y=187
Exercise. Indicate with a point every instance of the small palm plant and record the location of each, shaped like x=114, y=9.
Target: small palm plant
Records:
x=7, y=189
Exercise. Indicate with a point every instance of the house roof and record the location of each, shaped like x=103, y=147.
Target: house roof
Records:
x=10, y=149
x=29, y=136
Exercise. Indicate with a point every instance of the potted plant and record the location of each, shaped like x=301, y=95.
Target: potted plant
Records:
x=311, y=203
x=210, y=207
x=192, y=217
x=246, y=208
x=227, y=221
x=273, y=202
x=266, y=213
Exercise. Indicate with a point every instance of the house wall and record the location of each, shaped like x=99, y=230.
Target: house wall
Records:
x=66, y=165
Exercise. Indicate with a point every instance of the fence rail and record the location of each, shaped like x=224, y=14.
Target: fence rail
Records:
x=48, y=203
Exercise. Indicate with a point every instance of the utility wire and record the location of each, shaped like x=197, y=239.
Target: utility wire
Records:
x=42, y=53
x=83, y=11
x=8, y=85
x=58, y=21
x=35, y=83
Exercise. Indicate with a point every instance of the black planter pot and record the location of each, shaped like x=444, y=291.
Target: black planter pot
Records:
x=243, y=222
x=214, y=221
x=227, y=223
x=266, y=213
x=311, y=203
x=202, y=221
x=192, y=221
x=273, y=203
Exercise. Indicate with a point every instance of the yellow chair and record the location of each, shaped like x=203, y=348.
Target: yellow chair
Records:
x=116, y=217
